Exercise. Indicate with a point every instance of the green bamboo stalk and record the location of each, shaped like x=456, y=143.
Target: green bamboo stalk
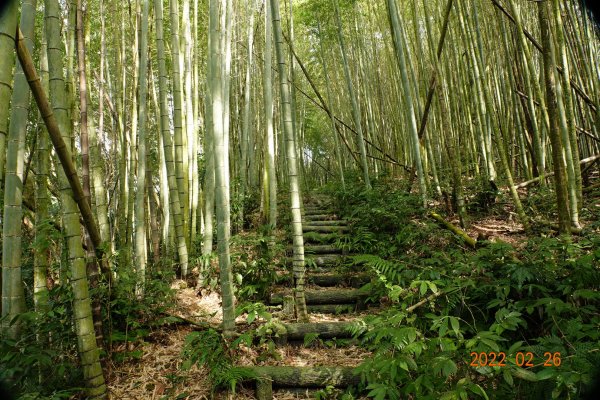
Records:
x=13, y=296
x=140, y=195
x=554, y=133
x=338, y=152
x=399, y=46
x=175, y=205
x=178, y=111
x=82, y=310
x=286, y=111
x=355, y=109
x=218, y=59
x=8, y=26
x=270, y=175
x=41, y=253
x=567, y=122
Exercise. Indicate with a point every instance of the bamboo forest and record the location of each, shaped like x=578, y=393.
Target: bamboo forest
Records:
x=299, y=199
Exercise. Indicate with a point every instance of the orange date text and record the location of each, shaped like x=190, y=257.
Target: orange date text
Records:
x=520, y=359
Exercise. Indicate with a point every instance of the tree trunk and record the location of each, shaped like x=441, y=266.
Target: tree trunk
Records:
x=298, y=240
x=221, y=166
x=13, y=296
x=84, y=324
x=355, y=110
x=270, y=174
x=175, y=205
x=562, y=199
x=140, y=195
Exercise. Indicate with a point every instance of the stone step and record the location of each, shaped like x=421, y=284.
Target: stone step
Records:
x=320, y=238
x=325, y=297
x=322, y=260
x=325, y=330
x=316, y=211
x=324, y=229
x=269, y=377
x=330, y=280
x=328, y=222
x=318, y=249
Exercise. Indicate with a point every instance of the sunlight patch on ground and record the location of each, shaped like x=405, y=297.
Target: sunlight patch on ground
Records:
x=158, y=372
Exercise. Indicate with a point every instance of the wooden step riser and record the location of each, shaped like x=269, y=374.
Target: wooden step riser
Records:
x=324, y=229
x=300, y=377
x=320, y=239
x=327, y=222
x=318, y=249
x=325, y=330
x=330, y=280
x=319, y=297
x=319, y=217
x=317, y=212
x=325, y=260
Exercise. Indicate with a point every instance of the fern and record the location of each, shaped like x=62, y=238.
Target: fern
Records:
x=230, y=376
x=310, y=338
x=389, y=269
x=208, y=348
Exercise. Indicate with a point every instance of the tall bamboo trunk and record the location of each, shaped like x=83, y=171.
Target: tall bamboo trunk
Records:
x=270, y=174
x=41, y=260
x=140, y=195
x=180, y=171
x=175, y=205
x=562, y=198
x=292, y=164
x=338, y=152
x=221, y=167
x=13, y=296
x=246, y=117
x=399, y=46
x=353, y=98
x=84, y=325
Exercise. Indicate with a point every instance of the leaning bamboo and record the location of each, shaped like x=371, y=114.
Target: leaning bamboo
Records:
x=62, y=151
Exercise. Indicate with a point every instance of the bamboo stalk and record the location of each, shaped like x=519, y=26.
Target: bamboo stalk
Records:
x=63, y=152
x=456, y=230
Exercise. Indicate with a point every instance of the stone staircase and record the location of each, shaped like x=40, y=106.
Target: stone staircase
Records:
x=329, y=294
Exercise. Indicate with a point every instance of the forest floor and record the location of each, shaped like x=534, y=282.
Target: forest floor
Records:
x=156, y=371
x=157, y=374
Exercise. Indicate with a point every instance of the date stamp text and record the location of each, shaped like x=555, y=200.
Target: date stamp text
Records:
x=520, y=359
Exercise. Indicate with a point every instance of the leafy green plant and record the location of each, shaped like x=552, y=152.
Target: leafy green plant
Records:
x=131, y=316
x=254, y=256
x=42, y=361
x=210, y=349
x=540, y=296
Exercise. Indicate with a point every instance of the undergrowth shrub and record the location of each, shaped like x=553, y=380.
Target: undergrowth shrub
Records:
x=210, y=350
x=42, y=362
x=450, y=305
x=133, y=317
x=253, y=255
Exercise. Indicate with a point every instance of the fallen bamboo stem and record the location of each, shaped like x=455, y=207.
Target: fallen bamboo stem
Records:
x=454, y=229
x=549, y=174
x=425, y=301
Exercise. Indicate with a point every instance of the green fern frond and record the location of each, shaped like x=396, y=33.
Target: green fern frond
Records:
x=389, y=269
